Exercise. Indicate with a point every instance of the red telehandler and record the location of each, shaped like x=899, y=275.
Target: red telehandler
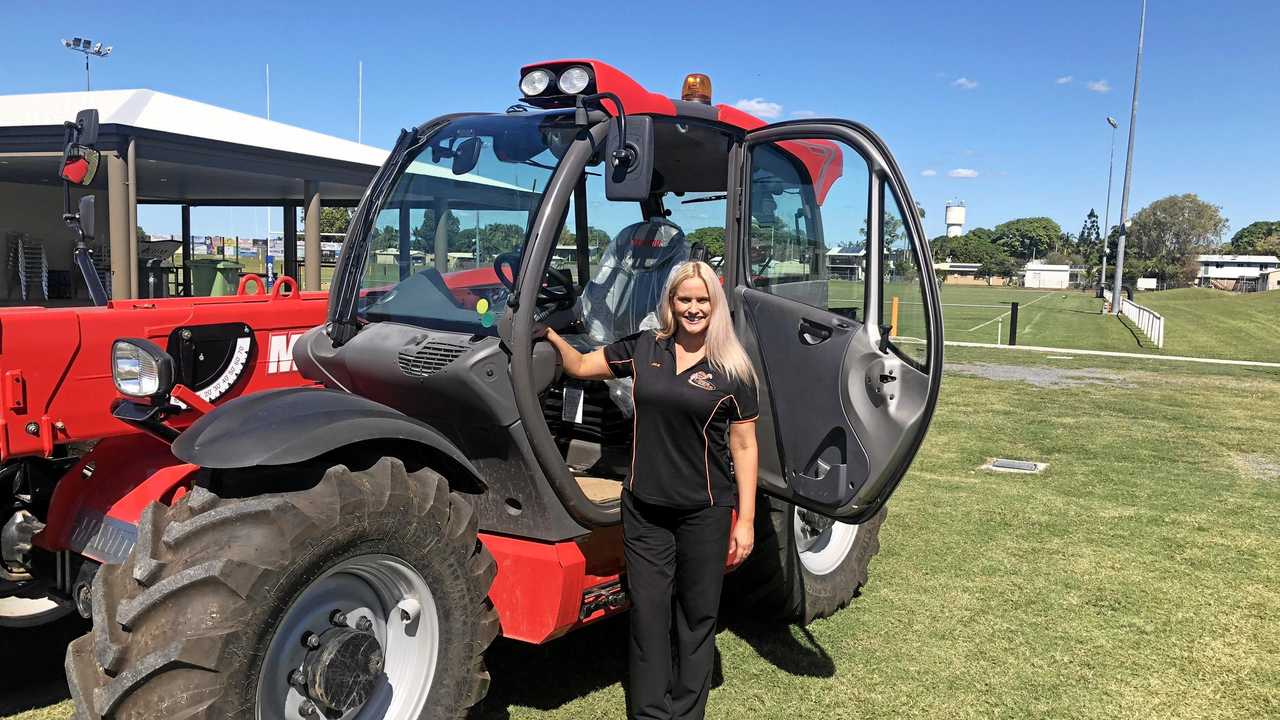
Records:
x=339, y=523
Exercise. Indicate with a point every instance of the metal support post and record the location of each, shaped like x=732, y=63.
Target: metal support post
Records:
x=1128, y=166
x=1013, y=324
x=311, y=225
x=404, y=260
x=118, y=220
x=290, y=240
x=133, y=219
x=188, y=249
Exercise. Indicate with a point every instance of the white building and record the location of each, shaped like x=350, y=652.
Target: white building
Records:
x=1226, y=270
x=1047, y=277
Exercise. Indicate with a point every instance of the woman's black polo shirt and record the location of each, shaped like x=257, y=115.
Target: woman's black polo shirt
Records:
x=680, y=453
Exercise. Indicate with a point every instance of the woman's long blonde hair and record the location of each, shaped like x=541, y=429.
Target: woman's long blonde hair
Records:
x=724, y=352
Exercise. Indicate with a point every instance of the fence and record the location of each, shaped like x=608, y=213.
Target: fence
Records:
x=1150, y=322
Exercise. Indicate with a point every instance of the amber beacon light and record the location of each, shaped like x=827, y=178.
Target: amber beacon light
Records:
x=697, y=88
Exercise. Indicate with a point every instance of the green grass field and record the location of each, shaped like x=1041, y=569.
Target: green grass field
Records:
x=1198, y=322
x=1138, y=577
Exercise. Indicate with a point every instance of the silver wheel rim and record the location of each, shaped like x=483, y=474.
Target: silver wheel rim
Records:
x=395, y=598
x=822, y=544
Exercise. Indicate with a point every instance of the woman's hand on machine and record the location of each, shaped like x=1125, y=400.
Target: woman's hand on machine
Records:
x=591, y=366
x=741, y=542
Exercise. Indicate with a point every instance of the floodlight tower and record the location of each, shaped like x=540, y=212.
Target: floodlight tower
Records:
x=87, y=47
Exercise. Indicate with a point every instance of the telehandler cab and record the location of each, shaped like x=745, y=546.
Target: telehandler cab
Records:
x=350, y=548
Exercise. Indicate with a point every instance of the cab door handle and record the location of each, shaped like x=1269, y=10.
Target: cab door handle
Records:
x=813, y=333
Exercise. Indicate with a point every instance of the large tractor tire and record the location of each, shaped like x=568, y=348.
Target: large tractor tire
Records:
x=364, y=596
x=804, y=567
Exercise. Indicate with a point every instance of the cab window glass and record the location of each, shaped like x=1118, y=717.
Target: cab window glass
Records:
x=903, y=297
x=631, y=248
x=808, y=216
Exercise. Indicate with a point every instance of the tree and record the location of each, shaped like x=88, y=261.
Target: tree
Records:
x=1258, y=238
x=712, y=238
x=1167, y=235
x=334, y=220
x=997, y=265
x=1089, y=241
x=424, y=236
x=142, y=234
x=1026, y=238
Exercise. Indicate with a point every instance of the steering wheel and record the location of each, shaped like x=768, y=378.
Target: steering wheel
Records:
x=556, y=293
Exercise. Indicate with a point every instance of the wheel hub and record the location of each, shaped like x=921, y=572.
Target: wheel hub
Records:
x=811, y=528
x=822, y=544
x=342, y=671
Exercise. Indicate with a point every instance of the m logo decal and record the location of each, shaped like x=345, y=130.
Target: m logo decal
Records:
x=280, y=352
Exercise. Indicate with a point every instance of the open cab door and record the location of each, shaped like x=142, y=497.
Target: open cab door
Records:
x=836, y=302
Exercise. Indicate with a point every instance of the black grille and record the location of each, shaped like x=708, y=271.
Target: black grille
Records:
x=428, y=358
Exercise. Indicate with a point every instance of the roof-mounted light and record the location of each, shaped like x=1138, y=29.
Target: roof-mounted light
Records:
x=697, y=88
x=535, y=82
x=574, y=80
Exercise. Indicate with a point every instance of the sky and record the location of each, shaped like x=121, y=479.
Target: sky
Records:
x=1001, y=105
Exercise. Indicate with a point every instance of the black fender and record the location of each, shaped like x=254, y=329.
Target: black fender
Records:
x=293, y=425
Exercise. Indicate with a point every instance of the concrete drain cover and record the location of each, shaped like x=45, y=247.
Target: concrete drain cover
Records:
x=1014, y=466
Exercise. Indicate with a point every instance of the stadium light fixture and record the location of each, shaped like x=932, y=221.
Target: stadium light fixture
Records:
x=86, y=47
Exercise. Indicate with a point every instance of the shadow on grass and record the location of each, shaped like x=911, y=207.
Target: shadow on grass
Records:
x=547, y=677
x=35, y=677
x=777, y=645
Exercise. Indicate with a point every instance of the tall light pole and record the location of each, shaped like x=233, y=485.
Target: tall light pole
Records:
x=1128, y=168
x=1106, y=218
x=87, y=47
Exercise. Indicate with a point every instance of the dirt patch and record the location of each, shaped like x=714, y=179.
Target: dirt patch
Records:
x=1256, y=466
x=1046, y=377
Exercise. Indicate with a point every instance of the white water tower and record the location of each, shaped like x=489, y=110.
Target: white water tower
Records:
x=955, y=218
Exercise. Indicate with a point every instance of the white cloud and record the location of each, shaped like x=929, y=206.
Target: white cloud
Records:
x=1065, y=79
x=1099, y=86
x=964, y=83
x=803, y=114
x=962, y=173
x=759, y=107
x=929, y=173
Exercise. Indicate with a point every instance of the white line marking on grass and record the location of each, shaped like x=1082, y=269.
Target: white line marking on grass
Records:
x=1110, y=353
x=1033, y=302
x=1060, y=357
x=1032, y=323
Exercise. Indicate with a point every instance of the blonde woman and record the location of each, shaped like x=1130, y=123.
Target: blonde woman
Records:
x=695, y=408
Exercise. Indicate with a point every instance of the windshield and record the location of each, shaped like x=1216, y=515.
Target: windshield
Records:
x=464, y=202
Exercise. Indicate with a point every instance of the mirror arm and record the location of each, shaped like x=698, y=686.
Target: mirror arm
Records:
x=624, y=156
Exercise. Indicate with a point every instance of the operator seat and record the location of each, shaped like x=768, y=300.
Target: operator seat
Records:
x=628, y=285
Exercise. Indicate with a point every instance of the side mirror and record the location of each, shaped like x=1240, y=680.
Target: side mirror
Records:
x=466, y=156
x=87, y=126
x=80, y=164
x=87, y=217
x=631, y=179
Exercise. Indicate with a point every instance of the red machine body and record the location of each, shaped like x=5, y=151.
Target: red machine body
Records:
x=56, y=389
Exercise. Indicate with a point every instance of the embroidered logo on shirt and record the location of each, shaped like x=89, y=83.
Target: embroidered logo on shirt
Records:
x=655, y=364
x=702, y=379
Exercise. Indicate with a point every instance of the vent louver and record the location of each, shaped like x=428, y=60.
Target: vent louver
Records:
x=428, y=358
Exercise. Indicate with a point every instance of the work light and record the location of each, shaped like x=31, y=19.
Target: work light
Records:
x=574, y=80
x=534, y=82
x=140, y=368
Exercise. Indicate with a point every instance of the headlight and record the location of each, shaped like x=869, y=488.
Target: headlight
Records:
x=140, y=368
x=574, y=80
x=534, y=82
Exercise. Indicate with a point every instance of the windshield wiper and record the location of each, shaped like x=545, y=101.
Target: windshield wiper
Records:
x=709, y=198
